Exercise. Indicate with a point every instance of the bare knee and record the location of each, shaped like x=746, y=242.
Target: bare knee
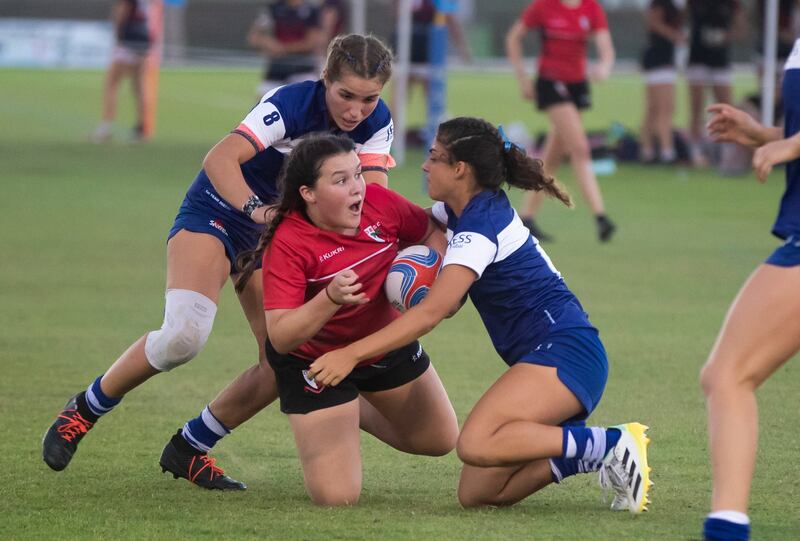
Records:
x=473, y=449
x=580, y=151
x=719, y=376
x=335, y=496
x=439, y=446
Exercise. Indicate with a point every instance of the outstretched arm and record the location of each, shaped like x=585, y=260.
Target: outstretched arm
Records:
x=732, y=125
x=447, y=291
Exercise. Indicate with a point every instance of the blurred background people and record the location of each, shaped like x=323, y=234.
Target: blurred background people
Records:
x=289, y=35
x=714, y=25
x=132, y=44
x=788, y=31
x=332, y=20
x=423, y=13
x=664, y=20
x=562, y=91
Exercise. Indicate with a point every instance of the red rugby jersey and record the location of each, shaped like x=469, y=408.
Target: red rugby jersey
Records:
x=565, y=31
x=302, y=259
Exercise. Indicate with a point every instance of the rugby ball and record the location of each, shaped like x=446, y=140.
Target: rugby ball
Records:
x=411, y=275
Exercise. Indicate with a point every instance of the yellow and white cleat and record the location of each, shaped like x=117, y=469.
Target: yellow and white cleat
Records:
x=625, y=469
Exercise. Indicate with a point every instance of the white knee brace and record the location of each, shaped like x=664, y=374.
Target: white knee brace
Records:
x=188, y=318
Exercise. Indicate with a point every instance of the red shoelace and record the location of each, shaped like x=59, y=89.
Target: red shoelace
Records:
x=76, y=426
x=207, y=462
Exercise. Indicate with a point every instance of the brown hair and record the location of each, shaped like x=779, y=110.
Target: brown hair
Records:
x=300, y=169
x=494, y=160
x=364, y=56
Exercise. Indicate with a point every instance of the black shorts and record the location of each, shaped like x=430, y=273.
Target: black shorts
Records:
x=298, y=394
x=549, y=92
x=282, y=69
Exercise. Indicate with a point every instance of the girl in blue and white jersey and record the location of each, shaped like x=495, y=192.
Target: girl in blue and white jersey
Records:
x=762, y=329
x=528, y=429
x=223, y=215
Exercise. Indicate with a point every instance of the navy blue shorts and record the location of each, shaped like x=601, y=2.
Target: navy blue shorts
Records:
x=204, y=211
x=581, y=363
x=788, y=254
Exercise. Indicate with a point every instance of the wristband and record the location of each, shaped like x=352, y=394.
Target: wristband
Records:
x=253, y=202
x=331, y=298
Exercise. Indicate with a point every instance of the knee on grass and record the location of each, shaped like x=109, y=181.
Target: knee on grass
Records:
x=335, y=496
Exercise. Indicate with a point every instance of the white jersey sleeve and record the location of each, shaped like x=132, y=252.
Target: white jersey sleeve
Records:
x=470, y=249
x=380, y=142
x=264, y=124
x=439, y=213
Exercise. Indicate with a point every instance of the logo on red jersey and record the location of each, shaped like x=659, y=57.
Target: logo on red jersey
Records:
x=328, y=255
x=374, y=232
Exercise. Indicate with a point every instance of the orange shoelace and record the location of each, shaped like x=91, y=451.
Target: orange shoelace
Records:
x=76, y=426
x=207, y=462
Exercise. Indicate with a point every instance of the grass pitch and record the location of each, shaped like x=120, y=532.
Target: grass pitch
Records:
x=82, y=274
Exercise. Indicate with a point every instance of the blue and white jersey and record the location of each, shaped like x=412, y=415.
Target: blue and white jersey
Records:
x=519, y=294
x=788, y=221
x=276, y=124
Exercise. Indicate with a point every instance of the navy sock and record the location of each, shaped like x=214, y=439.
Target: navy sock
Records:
x=204, y=431
x=589, y=444
x=97, y=401
x=717, y=529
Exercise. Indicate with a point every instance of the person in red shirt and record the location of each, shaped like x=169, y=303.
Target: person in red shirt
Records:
x=326, y=254
x=562, y=90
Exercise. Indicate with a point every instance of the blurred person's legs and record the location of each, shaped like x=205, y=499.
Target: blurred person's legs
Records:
x=125, y=62
x=566, y=120
x=661, y=90
x=531, y=201
x=698, y=78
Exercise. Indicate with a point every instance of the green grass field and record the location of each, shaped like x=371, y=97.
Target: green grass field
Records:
x=82, y=274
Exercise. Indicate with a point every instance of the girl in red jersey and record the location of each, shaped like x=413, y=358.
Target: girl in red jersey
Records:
x=222, y=215
x=562, y=90
x=326, y=254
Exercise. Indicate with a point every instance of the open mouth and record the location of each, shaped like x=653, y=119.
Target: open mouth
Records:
x=355, y=208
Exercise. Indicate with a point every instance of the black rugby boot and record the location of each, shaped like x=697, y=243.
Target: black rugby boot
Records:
x=61, y=440
x=183, y=460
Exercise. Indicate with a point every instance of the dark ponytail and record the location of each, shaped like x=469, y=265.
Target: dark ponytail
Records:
x=302, y=168
x=495, y=161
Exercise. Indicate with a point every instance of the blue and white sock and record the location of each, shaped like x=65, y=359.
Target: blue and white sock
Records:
x=726, y=526
x=589, y=444
x=204, y=431
x=561, y=468
x=98, y=402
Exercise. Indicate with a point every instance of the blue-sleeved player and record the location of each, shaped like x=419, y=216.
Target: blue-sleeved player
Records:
x=762, y=329
x=528, y=429
x=223, y=215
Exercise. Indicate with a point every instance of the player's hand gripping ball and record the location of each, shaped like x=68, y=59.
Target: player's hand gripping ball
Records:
x=411, y=275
